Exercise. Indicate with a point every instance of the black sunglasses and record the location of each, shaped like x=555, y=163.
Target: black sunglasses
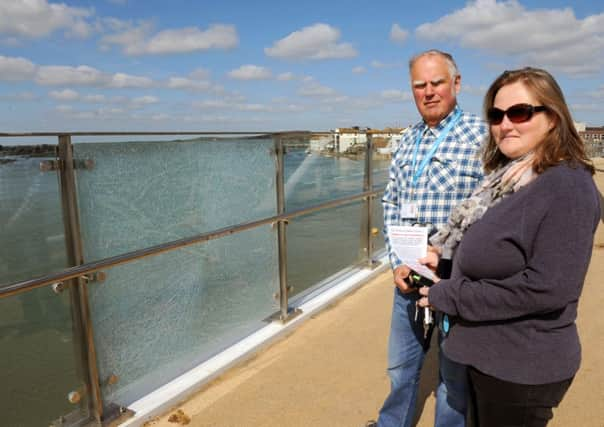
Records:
x=518, y=113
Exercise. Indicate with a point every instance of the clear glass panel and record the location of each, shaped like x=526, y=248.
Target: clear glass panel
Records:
x=38, y=362
x=313, y=177
x=380, y=165
x=158, y=317
x=377, y=215
x=141, y=194
x=322, y=244
x=31, y=222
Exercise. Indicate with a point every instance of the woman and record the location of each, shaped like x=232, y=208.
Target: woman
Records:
x=522, y=245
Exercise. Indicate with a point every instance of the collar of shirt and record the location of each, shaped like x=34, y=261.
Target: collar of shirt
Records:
x=424, y=128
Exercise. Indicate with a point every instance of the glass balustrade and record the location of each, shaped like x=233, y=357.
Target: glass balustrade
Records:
x=158, y=317
x=155, y=317
x=322, y=244
x=40, y=364
x=140, y=194
x=31, y=223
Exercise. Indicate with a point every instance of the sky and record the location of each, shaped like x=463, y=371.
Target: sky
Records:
x=264, y=65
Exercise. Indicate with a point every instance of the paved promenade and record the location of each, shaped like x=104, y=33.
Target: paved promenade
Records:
x=331, y=371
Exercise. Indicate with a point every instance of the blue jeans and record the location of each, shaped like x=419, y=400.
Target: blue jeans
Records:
x=405, y=358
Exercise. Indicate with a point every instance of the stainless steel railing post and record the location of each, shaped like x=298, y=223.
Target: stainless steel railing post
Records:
x=366, y=216
x=77, y=286
x=281, y=227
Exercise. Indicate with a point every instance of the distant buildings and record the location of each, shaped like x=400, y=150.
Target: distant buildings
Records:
x=593, y=138
x=353, y=140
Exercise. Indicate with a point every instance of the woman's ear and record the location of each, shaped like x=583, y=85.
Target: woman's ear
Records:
x=552, y=122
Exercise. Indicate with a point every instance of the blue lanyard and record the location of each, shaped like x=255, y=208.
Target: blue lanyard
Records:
x=430, y=153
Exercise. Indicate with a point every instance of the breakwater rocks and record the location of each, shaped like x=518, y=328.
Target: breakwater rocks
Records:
x=40, y=150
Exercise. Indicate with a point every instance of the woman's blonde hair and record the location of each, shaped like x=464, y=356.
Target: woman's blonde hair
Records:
x=561, y=143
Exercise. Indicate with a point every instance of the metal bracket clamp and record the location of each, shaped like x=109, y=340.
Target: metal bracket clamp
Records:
x=96, y=277
x=276, y=223
x=289, y=290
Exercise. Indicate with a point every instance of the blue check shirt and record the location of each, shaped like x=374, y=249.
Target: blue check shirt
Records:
x=448, y=178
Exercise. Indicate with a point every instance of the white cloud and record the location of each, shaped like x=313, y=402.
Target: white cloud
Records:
x=318, y=41
x=55, y=75
x=314, y=89
x=12, y=68
x=379, y=64
x=121, y=80
x=586, y=107
x=161, y=117
x=145, y=100
x=188, y=84
x=136, y=40
x=395, y=95
x=359, y=70
x=198, y=80
x=38, y=18
x=83, y=75
x=94, y=99
x=250, y=72
x=474, y=90
x=200, y=74
x=398, y=34
x=254, y=107
x=212, y=104
x=64, y=108
x=286, y=76
x=549, y=38
x=64, y=95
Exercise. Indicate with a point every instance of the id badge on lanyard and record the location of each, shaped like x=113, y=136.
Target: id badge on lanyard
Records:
x=409, y=208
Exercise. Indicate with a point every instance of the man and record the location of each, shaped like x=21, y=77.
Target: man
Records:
x=436, y=166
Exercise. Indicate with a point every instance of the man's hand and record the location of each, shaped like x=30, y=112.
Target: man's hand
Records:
x=400, y=274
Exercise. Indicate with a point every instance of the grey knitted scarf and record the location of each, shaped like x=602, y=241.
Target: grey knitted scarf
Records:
x=494, y=188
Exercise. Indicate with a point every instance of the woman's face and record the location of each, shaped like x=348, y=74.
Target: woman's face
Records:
x=516, y=139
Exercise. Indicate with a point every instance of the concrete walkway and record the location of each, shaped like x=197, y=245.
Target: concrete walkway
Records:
x=331, y=371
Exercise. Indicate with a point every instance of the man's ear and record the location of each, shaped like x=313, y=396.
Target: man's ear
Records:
x=457, y=84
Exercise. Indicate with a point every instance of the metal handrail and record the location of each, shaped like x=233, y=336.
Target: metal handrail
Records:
x=91, y=267
x=149, y=133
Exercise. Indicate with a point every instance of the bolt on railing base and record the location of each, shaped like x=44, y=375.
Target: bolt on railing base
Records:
x=292, y=313
x=114, y=415
x=369, y=264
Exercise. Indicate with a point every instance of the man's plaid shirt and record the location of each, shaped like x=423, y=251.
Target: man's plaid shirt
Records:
x=448, y=178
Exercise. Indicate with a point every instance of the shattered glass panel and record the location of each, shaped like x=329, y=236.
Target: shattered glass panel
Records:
x=141, y=194
x=158, y=317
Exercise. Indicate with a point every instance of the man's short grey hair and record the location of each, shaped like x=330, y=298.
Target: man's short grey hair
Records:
x=453, y=71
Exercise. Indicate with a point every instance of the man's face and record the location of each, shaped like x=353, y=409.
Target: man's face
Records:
x=433, y=90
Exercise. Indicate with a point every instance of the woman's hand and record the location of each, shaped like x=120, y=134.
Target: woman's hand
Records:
x=423, y=301
x=431, y=259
